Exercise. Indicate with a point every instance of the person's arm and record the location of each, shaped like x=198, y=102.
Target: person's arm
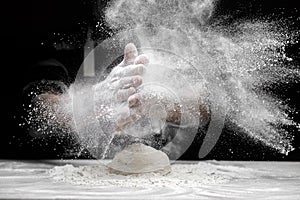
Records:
x=188, y=112
x=193, y=110
x=55, y=109
x=45, y=97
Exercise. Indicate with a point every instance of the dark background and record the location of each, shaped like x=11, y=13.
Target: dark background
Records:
x=29, y=37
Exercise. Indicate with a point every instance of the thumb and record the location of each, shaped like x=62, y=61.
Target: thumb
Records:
x=130, y=54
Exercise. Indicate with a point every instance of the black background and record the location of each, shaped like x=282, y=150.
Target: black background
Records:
x=30, y=23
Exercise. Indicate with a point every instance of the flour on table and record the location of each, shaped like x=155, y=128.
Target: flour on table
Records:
x=189, y=175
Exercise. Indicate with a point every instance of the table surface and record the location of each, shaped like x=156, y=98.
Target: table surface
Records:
x=30, y=180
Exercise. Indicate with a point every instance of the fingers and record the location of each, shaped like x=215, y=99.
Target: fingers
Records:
x=142, y=59
x=124, y=94
x=130, y=54
x=124, y=122
x=125, y=118
x=127, y=82
x=131, y=70
x=133, y=100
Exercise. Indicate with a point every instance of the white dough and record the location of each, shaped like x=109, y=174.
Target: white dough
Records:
x=139, y=158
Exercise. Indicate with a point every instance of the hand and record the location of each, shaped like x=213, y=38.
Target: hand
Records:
x=111, y=95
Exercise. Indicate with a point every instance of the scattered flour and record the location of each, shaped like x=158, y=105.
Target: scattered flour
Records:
x=181, y=175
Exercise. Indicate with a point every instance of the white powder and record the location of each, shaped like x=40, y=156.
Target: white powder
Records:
x=181, y=175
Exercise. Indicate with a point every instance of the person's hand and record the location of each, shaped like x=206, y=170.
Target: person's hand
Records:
x=111, y=95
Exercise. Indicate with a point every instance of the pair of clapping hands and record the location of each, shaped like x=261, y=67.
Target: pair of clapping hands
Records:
x=120, y=88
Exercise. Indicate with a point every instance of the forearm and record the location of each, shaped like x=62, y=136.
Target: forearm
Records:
x=189, y=113
x=54, y=111
x=181, y=111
